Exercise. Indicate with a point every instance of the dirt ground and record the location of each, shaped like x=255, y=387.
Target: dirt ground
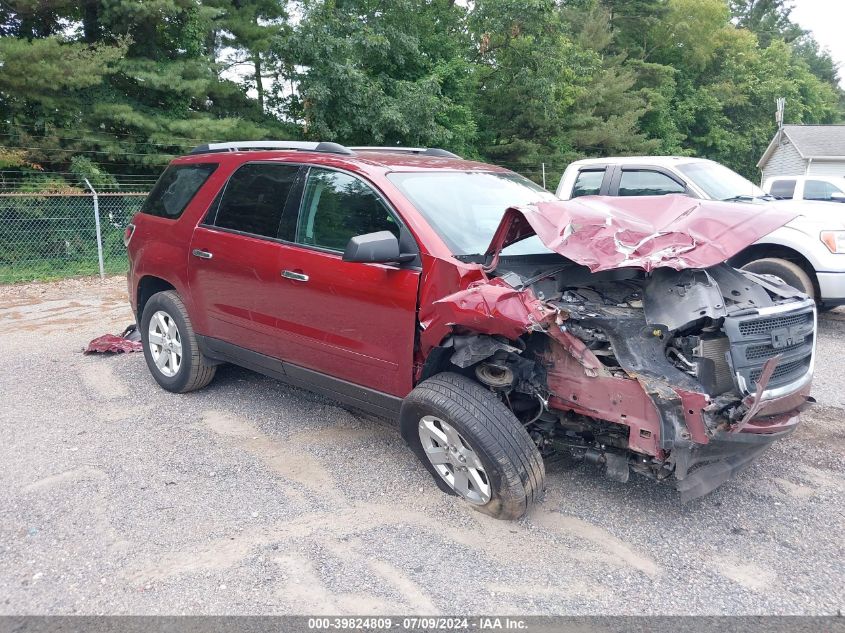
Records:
x=253, y=497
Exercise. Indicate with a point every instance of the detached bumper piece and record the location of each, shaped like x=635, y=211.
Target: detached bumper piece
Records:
x=703, y=468
x=128, y=341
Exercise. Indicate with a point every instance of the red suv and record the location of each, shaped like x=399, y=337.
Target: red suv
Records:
x=499, y=325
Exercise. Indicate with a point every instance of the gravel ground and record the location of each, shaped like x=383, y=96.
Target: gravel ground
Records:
x=254, y=497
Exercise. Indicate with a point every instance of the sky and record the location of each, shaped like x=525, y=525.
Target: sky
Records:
x=825, y=18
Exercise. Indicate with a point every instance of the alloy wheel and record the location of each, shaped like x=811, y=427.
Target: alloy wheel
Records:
x=454, y=459
x=165, y=343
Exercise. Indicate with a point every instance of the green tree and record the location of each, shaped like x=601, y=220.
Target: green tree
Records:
x=131, y=87
x=726, y=84
x=382, y=73
x=607, y=118
x=768, y=19
x=251, y=29
x=529, y=76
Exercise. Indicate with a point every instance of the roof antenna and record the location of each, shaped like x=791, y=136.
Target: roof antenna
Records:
x=781, y=105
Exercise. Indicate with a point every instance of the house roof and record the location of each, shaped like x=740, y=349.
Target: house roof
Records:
x=811, y=141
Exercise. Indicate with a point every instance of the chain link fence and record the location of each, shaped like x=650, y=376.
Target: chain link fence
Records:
x=64, y=228
x=46, y=236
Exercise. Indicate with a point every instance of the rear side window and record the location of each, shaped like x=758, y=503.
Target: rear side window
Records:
x=819, y=190
x=588, y=183
x=642, y=182
x=175, y=189
x=255, y=197
x=337, y=207
x=783, y=189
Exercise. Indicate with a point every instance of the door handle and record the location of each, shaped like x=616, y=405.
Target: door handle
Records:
x=201, y=254
x=294, y=276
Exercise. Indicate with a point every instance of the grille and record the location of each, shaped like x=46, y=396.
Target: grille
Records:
x=764, y=326
x=767, y=351
x=753, y=342
x=782, y=370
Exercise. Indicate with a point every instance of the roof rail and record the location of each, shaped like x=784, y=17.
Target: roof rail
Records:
x=313, y=146
x=422, y=151
x=244, y=146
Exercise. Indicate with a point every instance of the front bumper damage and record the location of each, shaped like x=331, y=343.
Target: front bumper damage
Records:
x=656, y=359
x=701, y=468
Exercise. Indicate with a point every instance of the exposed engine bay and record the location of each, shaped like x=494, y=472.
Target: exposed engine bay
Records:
x=659, y=372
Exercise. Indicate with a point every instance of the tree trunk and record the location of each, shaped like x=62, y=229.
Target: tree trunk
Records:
x=259, y=84
x=90, y=21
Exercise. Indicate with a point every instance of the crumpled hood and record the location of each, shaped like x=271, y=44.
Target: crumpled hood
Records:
x=647, y=232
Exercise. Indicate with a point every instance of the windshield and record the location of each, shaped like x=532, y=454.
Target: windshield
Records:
x=719, y=182
x=465, y=208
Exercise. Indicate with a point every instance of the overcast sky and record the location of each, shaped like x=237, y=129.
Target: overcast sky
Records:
x=826, y=19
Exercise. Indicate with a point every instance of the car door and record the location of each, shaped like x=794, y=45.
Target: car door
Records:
x=235, y=255
x=343, y=320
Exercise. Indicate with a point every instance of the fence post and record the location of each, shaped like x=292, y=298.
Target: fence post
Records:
x=97, y=226
x=544, y=175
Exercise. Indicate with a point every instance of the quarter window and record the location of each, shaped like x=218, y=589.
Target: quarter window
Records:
x=642, y=182
x=588, y=183
x=255, y=197
x=175, y=189
x=336, y=207
x=783, y=189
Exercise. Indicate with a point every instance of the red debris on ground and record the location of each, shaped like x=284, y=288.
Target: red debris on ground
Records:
x=129, y=341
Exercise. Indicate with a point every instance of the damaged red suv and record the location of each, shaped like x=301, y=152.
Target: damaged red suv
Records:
x=499, y=325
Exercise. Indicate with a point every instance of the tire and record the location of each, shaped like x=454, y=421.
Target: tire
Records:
x=791, y=273
x=179, y=373
x=509, y=461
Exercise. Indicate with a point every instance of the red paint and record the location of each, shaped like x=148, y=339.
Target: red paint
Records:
x=375, y=324
x=111, y=344
x=645, y=232
x=594, y=392
x=693, y=404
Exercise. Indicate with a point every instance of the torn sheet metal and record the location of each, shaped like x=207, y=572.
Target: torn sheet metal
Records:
x=648, y=232
x=484, y=307
x=128, y=341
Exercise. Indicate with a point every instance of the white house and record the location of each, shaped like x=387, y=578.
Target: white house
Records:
x=805, y=150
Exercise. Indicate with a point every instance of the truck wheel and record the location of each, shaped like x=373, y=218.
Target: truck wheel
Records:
x=170, y=346
x=473, y=445
x=791, y=274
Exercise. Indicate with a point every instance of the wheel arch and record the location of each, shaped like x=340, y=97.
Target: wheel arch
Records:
x=439, y=359
x=149, y=285
x=762, y=251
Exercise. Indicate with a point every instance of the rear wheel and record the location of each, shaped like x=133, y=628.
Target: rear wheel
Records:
x=473, y=445
x=170, y=345
x=789, y=272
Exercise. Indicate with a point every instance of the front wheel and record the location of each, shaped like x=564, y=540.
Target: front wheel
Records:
x=472, y=445
x=170, y=345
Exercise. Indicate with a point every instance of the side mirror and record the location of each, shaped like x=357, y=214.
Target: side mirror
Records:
x=380, y=247
x=837, y=196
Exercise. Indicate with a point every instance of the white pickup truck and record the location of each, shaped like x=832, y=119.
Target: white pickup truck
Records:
x=818, y=188
x=808, y=253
